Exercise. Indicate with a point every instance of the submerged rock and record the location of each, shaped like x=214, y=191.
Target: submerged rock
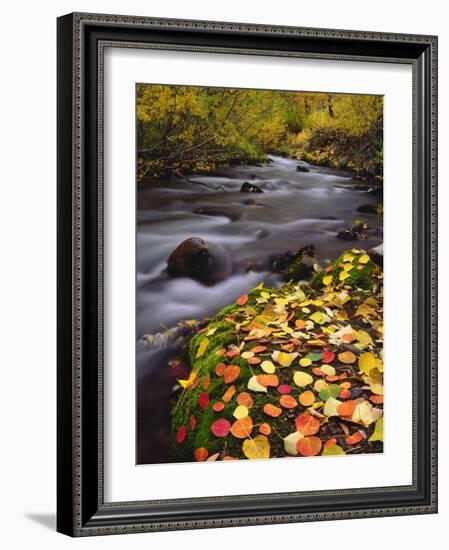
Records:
x=354, y=233
x=370, y=208
x=192, y=258
x=296, y=266
x=250, y=188
x=302, y=168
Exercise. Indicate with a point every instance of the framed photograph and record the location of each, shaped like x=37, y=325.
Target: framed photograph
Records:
x=246, y=274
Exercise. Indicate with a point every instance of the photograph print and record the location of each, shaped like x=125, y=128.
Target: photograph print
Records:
x=259, y=274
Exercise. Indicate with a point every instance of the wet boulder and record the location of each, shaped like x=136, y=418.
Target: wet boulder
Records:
x=296, y=266
x=302, y=168
x=370, y=208
x=192, y=258
x=354, y=233
x=377, y=254
x=248, y=187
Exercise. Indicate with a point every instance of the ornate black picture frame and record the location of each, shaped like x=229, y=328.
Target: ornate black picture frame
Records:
x=81, y=509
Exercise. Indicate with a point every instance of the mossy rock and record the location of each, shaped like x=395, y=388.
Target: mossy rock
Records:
x=360, y=276
x=300, y=269
x=371, y=208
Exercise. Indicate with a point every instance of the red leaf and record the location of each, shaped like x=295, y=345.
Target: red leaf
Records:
x=241, y=301
x=192, y=422
x=201, y=454
x=328, y=357
x=181, y=434
x=307, y=424
x=203, y=400
x=220, y=428
x=284, y=389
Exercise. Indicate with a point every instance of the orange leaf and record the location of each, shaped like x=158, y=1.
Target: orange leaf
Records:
x=206, y=382
x=348, y=337
x=288, y=401
x=229, y=458
x=245, y=399
x=307, y=424
x=265, y=429
x=219, y=369
x=307, y=398
x=268, y=380
x=353, y=439
x=192, y=422
x=344, y=394
x=254, y=360
x=332, y=377
x=201, y=454
x=329, y=442
x=299, y=324
x=231, y=373
x=259, y=349
x=347, y=357
x=272, y=410
x=242, y=427
x=377, y=399
x=317, y=371
x=346, y=409
x=227, y=396
x=218, y=406
x=309, y=446
x=220, y=352
x=241, y=301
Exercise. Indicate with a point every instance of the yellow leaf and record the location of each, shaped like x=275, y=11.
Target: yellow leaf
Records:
x=363, y=414
x=328, y=369
x=211, y=331
x=348, y=258
x=240, y=412
x=330, y=407
x=369, y=361
x=332, y=450
x=343, y=275
x=284, y=359
x=268, y=367
x=318, y=317
x=290, y=443
x=189, y=381
x=327, y=280
x=364, y=259
x=364, y=338
x=202, y=347
x=254, y=385
x=305, y=362
x=378, y=434
x=256, y=448
x=302, y=379
x=348, y=267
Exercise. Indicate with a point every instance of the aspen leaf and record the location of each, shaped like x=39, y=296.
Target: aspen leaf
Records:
x=220, y=428
x=202, y=347
x=305, y=362
x=218, y=406
x=227, y=396
x=332, y=450
x=328, y=370
x=309, y=446
x=290, y=443
x=203, y=400
x=242, y=427
x=307, y=398
x=378, y=434
x=302, y=379
x=254, y=385
x=368, y=361
x=201, y=454
x=330, y=407
x=272, y=410
x=245, y=399
x=180, y=436
x=327, y=280
x=268, y=380
x=364, y=259
x=343, y=275
x=256, y=448
x=268, y=367
x=241, y=300
x=240, y=411
x=307, y=424
x=347, y=357
x=265, y=429
x=284, y=389
x=231, y=372
x=284, y=359
x=288, y=402
x=328, y=356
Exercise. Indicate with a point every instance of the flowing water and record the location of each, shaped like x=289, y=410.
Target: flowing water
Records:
x=295, y=209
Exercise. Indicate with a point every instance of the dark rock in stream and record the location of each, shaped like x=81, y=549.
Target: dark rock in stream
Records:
x=296, y=266
x=355, y=233
x=377, y=254
x=370, y=208
x=302, y=168
x=192, y=258
x=250, y=188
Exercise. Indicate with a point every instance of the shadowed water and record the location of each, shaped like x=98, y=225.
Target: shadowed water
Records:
x=296, y=209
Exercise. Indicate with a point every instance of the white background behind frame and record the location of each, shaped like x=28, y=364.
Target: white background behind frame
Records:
x=123, y=68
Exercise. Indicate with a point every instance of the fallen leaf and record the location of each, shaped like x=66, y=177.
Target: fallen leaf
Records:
x=355, y=438
x=240, y=411
x=268, y=380
x=284, y=389
x=256, y=448
x=305, y=362
x=346, y=409
x=254, y=385
x=307, y=398
x=268, y=367
x=201, y=454
x=272, y=410
x=288, y=402
x=180, y=436
x=302, y=379
x=265, y=429
x=307, y=424
x=378, y=434
x=220, y=428
x=203, y=400
x=309, y=446
x=192, y=422
x=242, y=427
x=364, y=259
x=290, y=443
x=231, y=373
x=245, y=399
x=227, y=396
x=241, y=300
x=332, y=450
x=347, y=357
x=219, y=369
x=202, y=347
x=330, y=407
x=284, y=359
x=206, y=382
x=328, y=356
x=218, y=406
x=213, y=457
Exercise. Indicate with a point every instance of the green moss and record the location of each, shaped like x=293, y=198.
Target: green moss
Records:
x=358, y=278
x=298, y=270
